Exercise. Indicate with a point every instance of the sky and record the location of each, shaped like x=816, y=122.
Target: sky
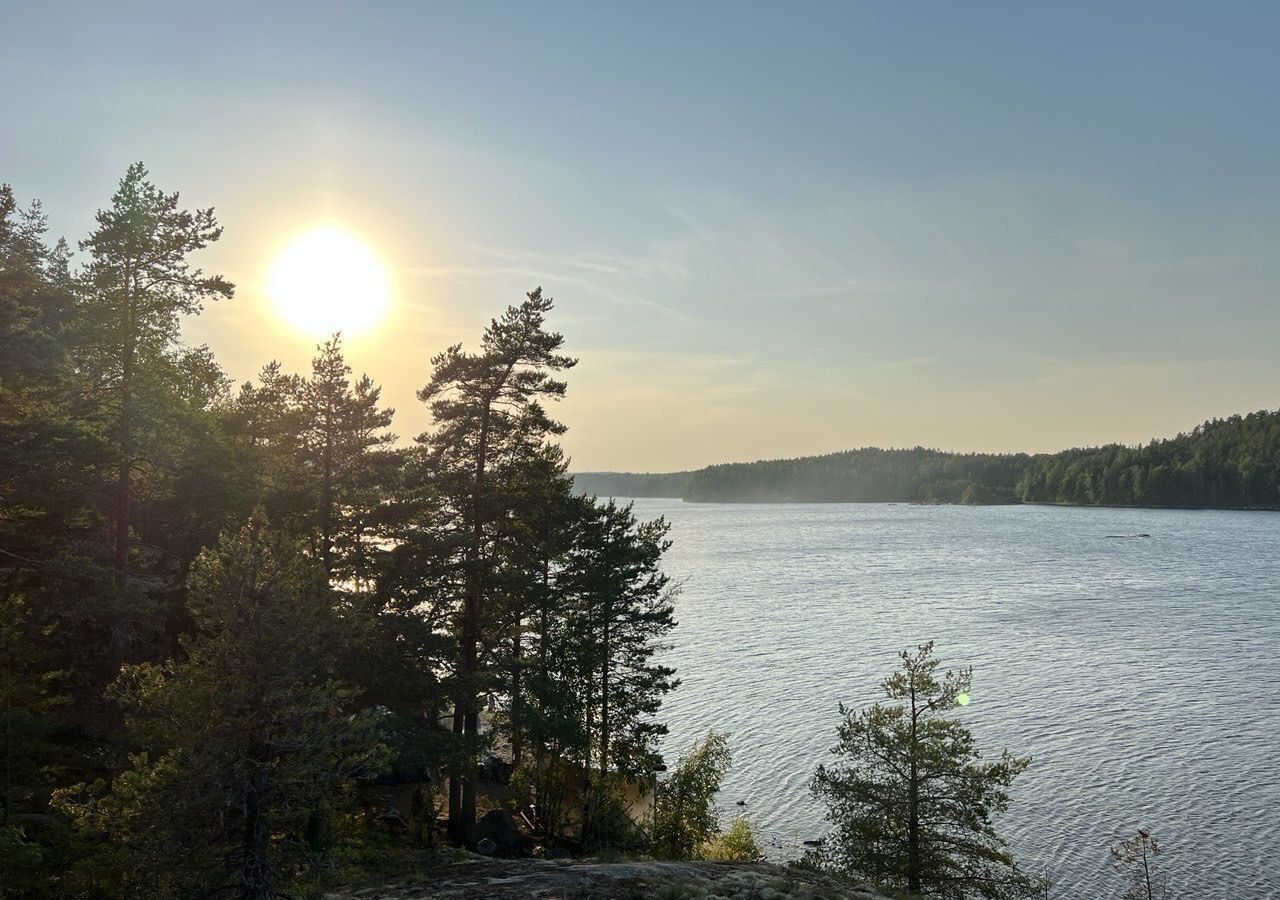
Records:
x=771, y=229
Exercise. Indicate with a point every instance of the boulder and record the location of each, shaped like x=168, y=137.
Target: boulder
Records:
x=497, y=826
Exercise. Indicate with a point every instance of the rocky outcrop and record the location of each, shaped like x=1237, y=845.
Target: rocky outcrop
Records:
x=472, y=877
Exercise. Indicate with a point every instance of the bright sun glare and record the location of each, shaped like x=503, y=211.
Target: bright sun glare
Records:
x=327, y=281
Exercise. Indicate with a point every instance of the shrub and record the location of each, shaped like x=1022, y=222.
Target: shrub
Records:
x=606, y=823
x=685, y=816
x=737, y=844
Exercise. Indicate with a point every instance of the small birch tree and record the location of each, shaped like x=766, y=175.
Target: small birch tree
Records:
x=1137, y=861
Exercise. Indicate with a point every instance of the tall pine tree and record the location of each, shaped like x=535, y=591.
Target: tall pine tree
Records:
x=488, y=418
x=137, y=284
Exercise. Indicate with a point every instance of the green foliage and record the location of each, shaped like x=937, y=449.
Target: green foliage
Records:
x=631, y=484
x=30, y=694
x=50, y=448
x=489, y=425
x=685, y=818
x=1232, y=463
x=912, y=800
x=866, y=475
x=244, y=734
x=342, y=462
x=20, y=863
x=736, y=844
x=607, y=823
x=134, y=289
x=317, y=455
x=215, y=706
x=624, y=610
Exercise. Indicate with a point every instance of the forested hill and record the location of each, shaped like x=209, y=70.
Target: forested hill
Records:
x=1229, y=463
x=866, y=475
x=631, y=484
x=1232, y=462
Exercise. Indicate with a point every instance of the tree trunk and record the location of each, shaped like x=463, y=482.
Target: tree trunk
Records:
x=471, y=723
x=326, y=499
x=457, y=833
x=463, y=825
x=8, y=732
x=606, y=653
x=517, y=744
x=544, y=619
x=588, y=722
x=255, y=874
x=913, y=807
x=125, y=436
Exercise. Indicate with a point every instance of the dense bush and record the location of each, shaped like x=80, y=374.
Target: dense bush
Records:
x=736, y=844
x=685, y=817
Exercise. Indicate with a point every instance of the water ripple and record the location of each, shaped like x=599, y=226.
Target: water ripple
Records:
x=1138, y=673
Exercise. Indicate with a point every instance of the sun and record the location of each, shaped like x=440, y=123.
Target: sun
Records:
x=325, y=280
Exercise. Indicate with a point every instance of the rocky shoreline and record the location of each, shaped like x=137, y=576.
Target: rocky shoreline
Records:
x=467, y=876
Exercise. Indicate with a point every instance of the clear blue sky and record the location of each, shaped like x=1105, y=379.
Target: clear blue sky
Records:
x=772, y=229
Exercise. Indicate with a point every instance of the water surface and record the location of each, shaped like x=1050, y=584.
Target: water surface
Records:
x=1140, y=673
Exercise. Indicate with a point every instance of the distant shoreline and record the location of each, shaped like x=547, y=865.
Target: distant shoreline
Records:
x=1227, y=464
x=761, y=502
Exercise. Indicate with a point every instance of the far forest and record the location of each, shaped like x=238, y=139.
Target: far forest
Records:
x=1231, y=463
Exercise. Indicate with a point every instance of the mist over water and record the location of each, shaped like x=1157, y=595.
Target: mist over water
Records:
x=1140, y=673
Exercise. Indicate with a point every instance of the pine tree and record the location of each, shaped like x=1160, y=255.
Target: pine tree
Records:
x=627, y=611
x=541, y=531
x=50, y=459
x=29, y=692
x=912, y=799
x=488, y=419
x=542, y=713
x=137, y=284
x=343, y=461
x=241, y=734
x=49, y=454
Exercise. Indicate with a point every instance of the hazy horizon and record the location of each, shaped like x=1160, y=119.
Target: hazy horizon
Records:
x=979, y=228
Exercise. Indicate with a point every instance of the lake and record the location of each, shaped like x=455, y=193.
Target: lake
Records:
x=1140, y=673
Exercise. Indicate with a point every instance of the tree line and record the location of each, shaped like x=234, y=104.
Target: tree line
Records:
x=1231, y=463
x=224, y=607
